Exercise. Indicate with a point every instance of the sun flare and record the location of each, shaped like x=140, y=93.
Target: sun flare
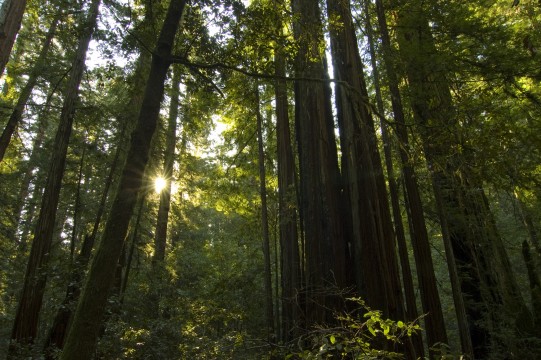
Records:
x=159, y=184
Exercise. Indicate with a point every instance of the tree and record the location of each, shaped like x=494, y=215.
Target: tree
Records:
x=83, y=333
x=435, y=326
x=11, y=15
x=287, y=193
x=373, y=237
x=487, y=278
x=60, y=326
x=320, y=180
x=26, y=320
x=264, y=216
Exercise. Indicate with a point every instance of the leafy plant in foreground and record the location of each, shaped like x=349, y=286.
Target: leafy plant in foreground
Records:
x=360, y=334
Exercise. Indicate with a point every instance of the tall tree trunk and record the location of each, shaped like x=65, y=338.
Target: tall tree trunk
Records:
x=11, y=16
x=264, y=220
x=373, y=235
x=434, y=323
x=407, y=279
x=325, y=246
x=160, y=240
x=81, y=340
x=56, y=336
x=26, y=318
x=493, y=299
x=287, y=198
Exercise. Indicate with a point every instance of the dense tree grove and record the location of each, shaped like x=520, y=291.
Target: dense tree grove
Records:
x=269, y=179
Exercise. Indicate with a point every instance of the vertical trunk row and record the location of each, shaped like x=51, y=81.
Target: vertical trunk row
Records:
x=434, y=323
x=26, y=319
x=364, y=183
x=81, y=340
x=325, y=248
x=11, y=16
x=289, y=243
x=59, y=328
x=490, y=290
x=264, y=220
x=403, y=251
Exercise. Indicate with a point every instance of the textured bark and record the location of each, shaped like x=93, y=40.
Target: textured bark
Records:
x=26, y=319
x=373, y=235
x=57, y=334
x=82, y=337
x=269, y=311
x=11, y=16
x=289, y=242
x=325, y=248
x=434, y=323
x=491, y=293
x=17, y=112
x=435, y=122
x=403, y=252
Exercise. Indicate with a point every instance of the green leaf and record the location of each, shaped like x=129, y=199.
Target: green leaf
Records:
x=332, y=339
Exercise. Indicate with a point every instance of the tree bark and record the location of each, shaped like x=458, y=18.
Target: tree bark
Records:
x=434, y=323
x=403, y=252
x=269, y=311
x=325, y=246
x=364, y=183
x=11, y=16
x=81, y=340
x=26, y=318
x=287, y=198
x=492, y=296
x=57, y=334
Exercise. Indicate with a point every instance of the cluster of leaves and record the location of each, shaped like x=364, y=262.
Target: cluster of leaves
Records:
x=361, y=334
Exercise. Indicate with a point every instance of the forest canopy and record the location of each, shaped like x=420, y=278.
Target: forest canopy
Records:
x=268, y=179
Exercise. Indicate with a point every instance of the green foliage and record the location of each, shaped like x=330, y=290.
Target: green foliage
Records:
x=360, y=334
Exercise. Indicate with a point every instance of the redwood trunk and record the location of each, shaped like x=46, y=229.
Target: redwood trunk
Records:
x=11, y=16
x=82, y=337
x=430, y=299
x=325, y=246
x=403, y=252
x=491, y=294
x=26, y=319
x=264, y=220
x=289, y=242
x=373, y=235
